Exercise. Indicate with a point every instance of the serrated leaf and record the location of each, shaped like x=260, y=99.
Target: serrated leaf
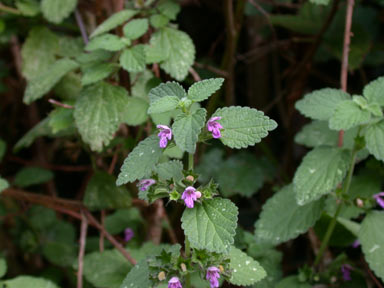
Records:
x=94, y=56
x=28, y=8
x=3, y=184
x=211, y=225
x=135, y=28
x=133, y=59
x=28, y=282
x=158, y=20
x=102, y=193
x=40, y=129
x=201, y=90
x=138, y=277
x=347, y=115
x=186, y=129
x=166, y=89
x=141, y=161
x=98, y=113
x=158, y=49
x=61, y=119
x=114, y=21
x=374, y=139
x=245, y=270
x=56, y=11
x=169, y=8
x=164, y=104
x=98, y=71
x=70, y=46
x=38, y=86
x=373, y=91
x=135, y=112
x=109, y=42
x=321, y=104
x=105, y=269
x=170, y=170
x=282, y=219
x=320, y=171
x=3, y=266
x=38, y=52
x=320, y=2
x=371, y=236
x=69, y=87
x=123, y=218
x=243, y=126
x=31, y=176
x=292, y=282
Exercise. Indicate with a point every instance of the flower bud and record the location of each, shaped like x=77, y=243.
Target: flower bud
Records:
x=161, y=276
x=190, y=178
x=183, y=267
x=359, y=203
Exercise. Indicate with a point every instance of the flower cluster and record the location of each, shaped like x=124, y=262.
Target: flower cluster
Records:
x=213, y=275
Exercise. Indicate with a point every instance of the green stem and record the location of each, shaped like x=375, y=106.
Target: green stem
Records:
x=332, y=225
x=190, y=161
x=187, y=244
x=9, y=9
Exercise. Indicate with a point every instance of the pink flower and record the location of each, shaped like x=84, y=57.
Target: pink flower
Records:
x=213, y=274
x=346, y=271
x=379, y=199
x=214, y=127
x=174, y=282
x=144, y=184
x=165, y=134
x=190, y=195
x=356, y=243
x=128, y=234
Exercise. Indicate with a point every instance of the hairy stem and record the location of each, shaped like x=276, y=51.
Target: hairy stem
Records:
x=332, y=225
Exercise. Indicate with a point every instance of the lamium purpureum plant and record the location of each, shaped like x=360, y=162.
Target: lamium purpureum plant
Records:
x=209, y=221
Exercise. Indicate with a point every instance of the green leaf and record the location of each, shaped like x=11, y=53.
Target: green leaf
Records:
x=56, y=11
x=28, y=282
x=123, y=218
x=133, y=59
x=169, y=8
x=28, y=8
x=70, y=46
x=245, y=270
x=106, y=269
x=186, y=129
x=38, y=86
x=114, y=21
x=135, y=112
x=3, y=184
x=141, y=161
x=321, y=104
x=98, y=113
x=102, y=193
x=135, y=28
x=59, y=253
x=61, y=119
x=3, y=149
x=166, y=89
x=98, y=71
x=211, y=225
x=138, y=277
x=40, y=129
x=158, y=20
x=170, y=170
x=3, y=267
x=94, y=56
x=292, y=282
x=347, y=115
x=69, y=87
x=31, y=176
x=320, y=2
x=164, y=104
x=371, y=237
x=109, y=42
x=282, y=219
x=373, y=91
x=38, y=52
x=243, y=126
x=201, y=90
x=320, y=171
x=374, y=139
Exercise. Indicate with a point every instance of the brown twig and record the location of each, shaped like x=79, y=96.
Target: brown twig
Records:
x=101, y=239
x=9, y=9
x=344, y=63
x=195, y=75
x=80, y=261
x=65, y=168
x=81, y=25
x=55, y=102
x=374, y=279
x=215, y=70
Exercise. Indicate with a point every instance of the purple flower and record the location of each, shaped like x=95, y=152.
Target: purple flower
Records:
x=165, y=134
x=174, y=282
x=213, y=274
x=128, y=234
x=144, y=184
x=214, y=127
x=356, y=243
x=190, y=195
x=378, y=199
x=346, y=271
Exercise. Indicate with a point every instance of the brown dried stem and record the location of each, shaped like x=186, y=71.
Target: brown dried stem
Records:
x=80, y=259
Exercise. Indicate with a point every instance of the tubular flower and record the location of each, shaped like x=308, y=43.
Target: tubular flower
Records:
x=379, y=197
x=165, y=134
x=213, y=275
x=144, y=184
x=214, y=127
x=174, y=282
x=190, y=195
x=128, y=234
x=346, y=271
